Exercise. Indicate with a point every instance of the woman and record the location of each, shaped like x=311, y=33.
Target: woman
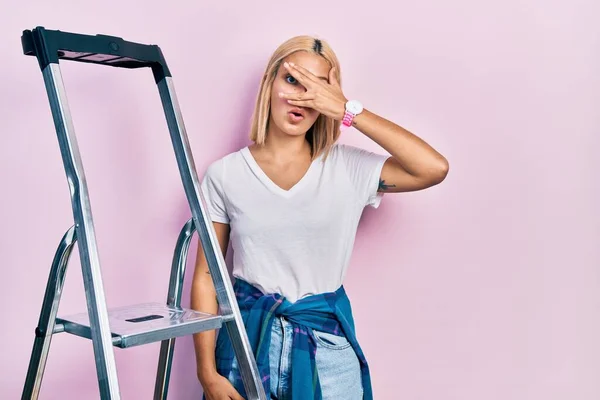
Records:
x=290, y=203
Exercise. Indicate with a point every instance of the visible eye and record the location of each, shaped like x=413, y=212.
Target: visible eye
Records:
x=290, y=79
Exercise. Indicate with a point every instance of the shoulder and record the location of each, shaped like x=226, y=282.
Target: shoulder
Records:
x=218, y=173
x=362, y=165
x=350, y=154
x=217, y=168
x=340, y=151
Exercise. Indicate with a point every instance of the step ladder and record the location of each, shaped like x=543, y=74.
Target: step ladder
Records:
x=144, y=323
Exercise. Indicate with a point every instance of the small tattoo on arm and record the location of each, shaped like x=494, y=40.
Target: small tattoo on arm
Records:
x=384, y=186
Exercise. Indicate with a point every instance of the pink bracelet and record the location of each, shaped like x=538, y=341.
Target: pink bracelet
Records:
x=348, y=118
x=353, y=108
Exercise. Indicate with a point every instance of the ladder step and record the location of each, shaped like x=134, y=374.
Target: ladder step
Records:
x=145, y=323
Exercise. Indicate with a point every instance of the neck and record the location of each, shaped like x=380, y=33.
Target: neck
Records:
x=282, y=146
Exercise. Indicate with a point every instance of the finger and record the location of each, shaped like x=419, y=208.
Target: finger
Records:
x=236, y=396
x=302, y=103
x=297, y=96
x=307, y=73
x=303, y=75
x=332, y=77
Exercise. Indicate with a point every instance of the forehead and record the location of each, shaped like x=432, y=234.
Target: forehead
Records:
x=312, y=62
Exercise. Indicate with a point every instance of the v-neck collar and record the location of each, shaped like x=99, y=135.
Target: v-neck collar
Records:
x=275, y=188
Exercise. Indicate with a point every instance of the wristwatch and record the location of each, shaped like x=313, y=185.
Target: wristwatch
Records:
x=353, y=108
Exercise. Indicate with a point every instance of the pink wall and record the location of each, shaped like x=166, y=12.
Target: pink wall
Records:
x=487, y=287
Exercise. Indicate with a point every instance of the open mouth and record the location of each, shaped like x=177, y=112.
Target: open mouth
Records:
x=296, y=114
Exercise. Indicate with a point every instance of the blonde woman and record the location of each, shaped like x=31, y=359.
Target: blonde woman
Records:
x=290, y=203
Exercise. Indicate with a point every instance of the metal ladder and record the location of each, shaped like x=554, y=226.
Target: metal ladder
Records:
x=138, y=324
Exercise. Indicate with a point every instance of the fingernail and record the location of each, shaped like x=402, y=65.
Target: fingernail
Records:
x=280, y=94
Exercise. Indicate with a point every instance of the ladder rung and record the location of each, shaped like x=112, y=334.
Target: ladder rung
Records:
x=145, y=323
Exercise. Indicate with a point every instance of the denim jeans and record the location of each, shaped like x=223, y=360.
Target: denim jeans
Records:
x=337, y=364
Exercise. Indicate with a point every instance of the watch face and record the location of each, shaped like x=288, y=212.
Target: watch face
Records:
x=354, y=107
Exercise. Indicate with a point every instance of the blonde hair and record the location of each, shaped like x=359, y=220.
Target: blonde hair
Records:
x=325, y=131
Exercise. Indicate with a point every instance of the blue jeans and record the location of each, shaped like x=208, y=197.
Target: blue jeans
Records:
x=337, y=364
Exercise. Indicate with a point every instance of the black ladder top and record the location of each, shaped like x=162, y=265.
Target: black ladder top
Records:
x=50, y=46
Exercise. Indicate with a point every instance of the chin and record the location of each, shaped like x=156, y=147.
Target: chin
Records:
x=293, y=129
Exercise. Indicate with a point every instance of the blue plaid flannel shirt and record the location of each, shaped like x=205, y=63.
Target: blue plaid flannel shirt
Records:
x=327, y=312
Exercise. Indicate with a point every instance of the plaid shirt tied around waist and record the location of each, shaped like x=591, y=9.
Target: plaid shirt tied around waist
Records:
x=327, y=312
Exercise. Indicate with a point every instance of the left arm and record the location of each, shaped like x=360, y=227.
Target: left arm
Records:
x=414, y=164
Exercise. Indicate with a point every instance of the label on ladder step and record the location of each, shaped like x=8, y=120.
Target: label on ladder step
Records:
x=145, y=318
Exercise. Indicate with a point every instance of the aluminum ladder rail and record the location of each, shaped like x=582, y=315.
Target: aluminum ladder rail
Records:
x=142, y=323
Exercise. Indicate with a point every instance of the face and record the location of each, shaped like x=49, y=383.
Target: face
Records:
x=286, y=118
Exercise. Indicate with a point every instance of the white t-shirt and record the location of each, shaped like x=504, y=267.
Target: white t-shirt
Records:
x=295, y=242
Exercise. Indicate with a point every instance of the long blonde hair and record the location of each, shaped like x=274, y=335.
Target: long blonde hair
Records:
x=325, y=131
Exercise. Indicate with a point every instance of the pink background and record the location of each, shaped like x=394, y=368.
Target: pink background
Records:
x=486, y=287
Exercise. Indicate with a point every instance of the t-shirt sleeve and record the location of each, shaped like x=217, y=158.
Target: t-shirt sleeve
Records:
x=364, y=170
x=214, y=195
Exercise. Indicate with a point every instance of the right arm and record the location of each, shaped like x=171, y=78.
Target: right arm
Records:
x=204, y=299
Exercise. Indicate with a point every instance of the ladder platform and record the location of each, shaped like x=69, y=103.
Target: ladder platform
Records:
x=145, y=323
